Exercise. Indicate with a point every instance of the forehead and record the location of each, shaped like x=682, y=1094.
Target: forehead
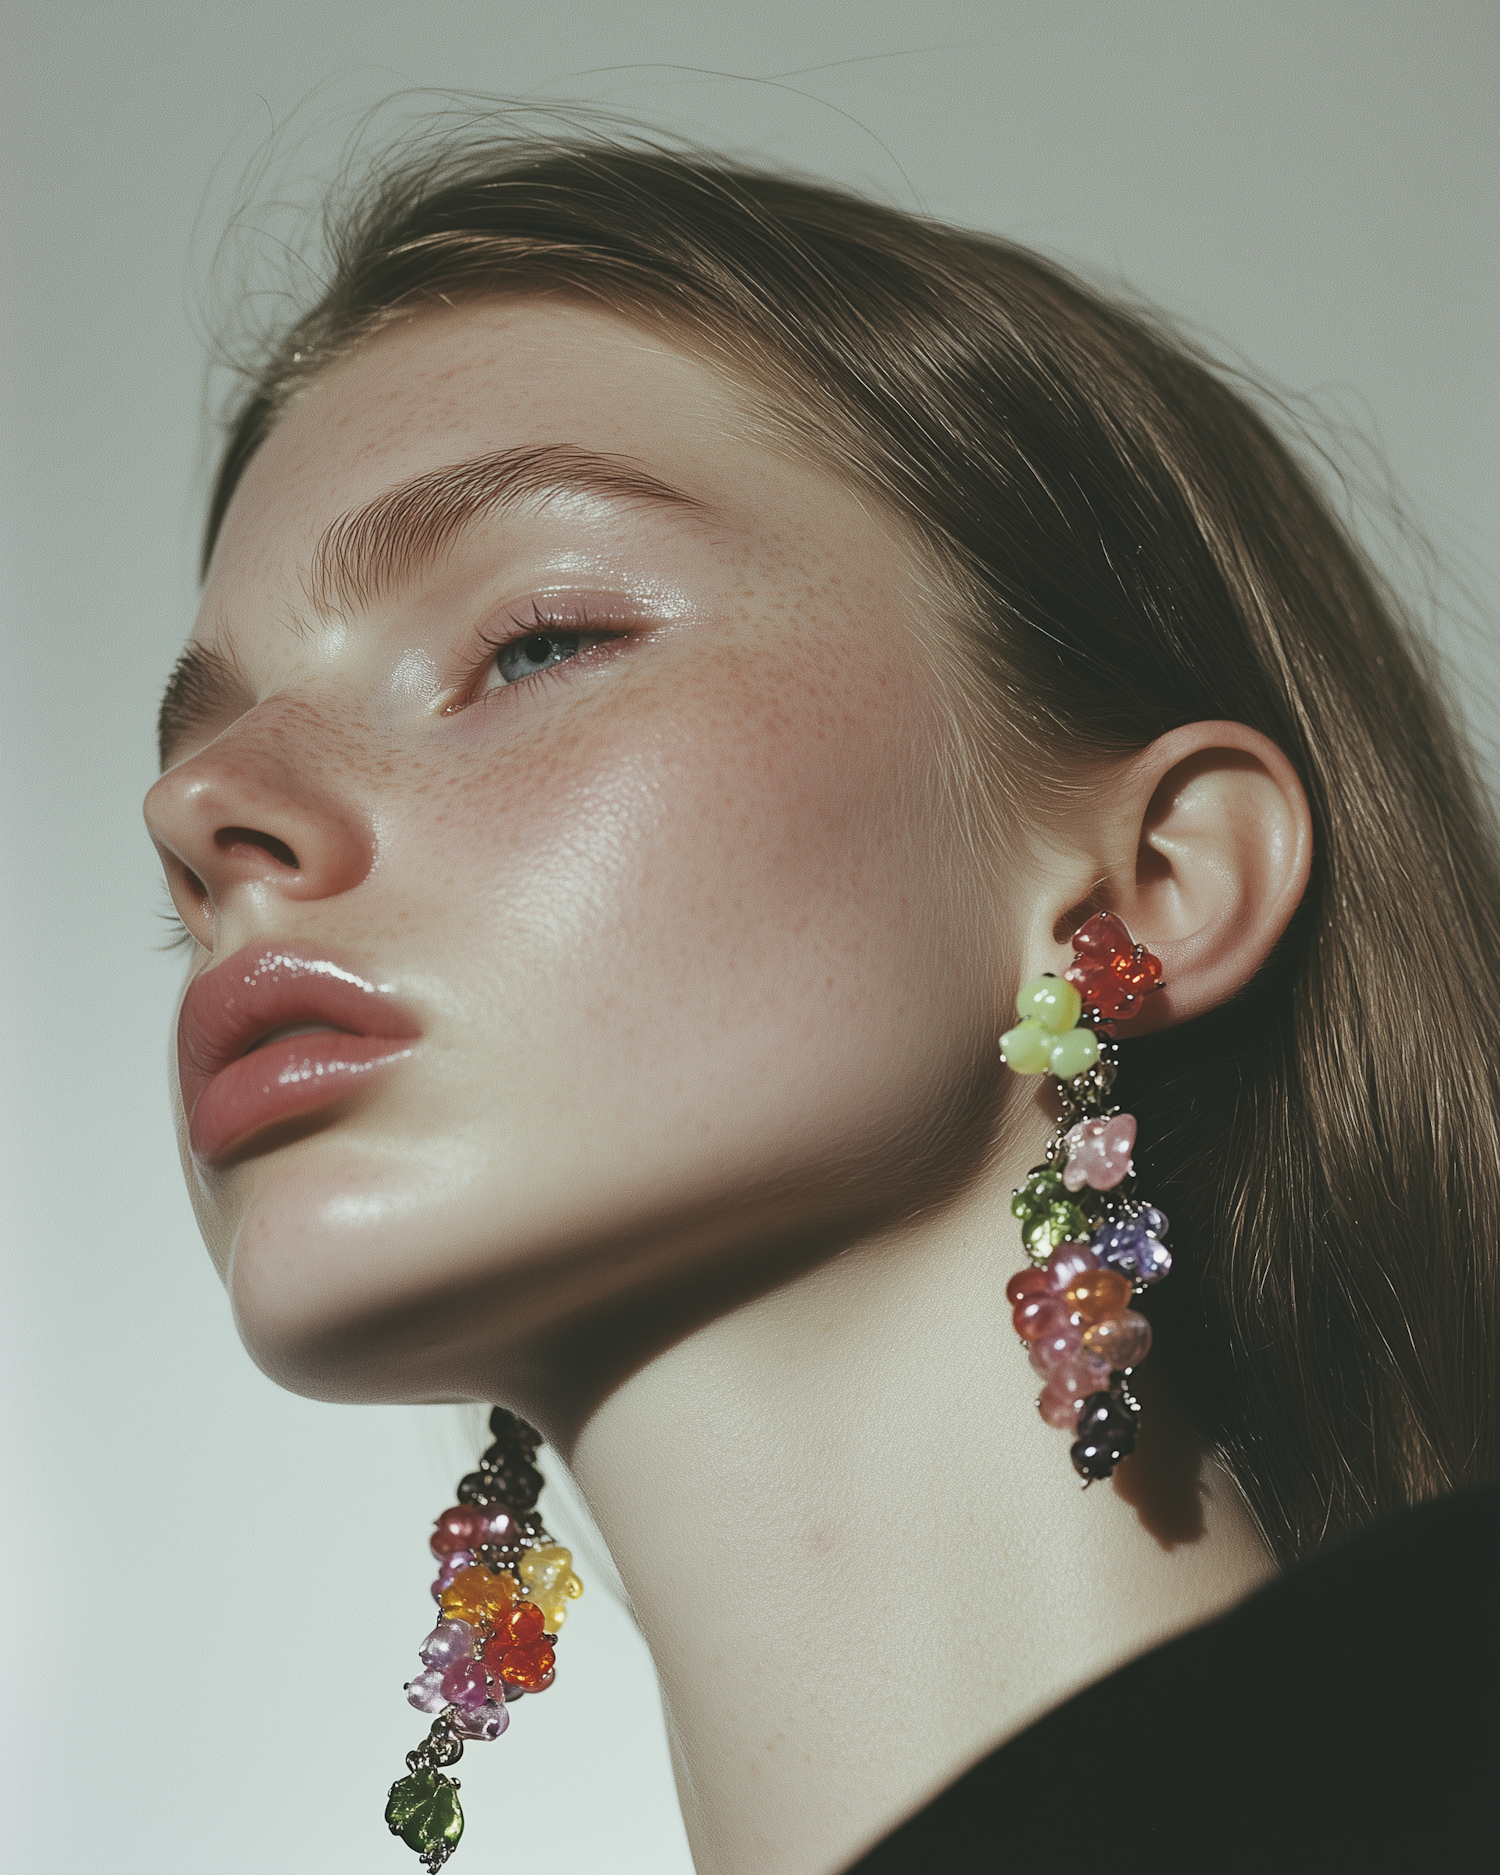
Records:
x=472, y=380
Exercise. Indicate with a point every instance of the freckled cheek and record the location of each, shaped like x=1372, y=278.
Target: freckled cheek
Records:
x=744, y=831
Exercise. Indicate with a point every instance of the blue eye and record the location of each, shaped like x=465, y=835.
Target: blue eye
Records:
x=524, y=657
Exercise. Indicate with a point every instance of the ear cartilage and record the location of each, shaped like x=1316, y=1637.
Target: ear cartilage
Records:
x=1093, y=1246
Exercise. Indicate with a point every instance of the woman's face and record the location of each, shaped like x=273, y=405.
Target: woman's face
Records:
x=561, y=804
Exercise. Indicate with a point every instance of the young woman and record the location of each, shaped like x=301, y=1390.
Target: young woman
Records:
x=681, y=648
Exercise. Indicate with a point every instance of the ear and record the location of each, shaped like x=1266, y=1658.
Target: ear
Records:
x=1202, y=844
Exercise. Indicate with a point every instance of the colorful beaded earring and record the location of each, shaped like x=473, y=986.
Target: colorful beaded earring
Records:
x=502, y=1589
x=1093, y=1246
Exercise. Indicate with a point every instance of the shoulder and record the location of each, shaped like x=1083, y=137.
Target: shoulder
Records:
x=1344, y=1713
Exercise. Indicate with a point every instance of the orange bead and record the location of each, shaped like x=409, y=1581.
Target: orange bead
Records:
x=1097, y=1293
x=478, y=1596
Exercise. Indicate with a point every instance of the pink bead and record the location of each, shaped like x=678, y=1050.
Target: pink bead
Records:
x=486, y=1721
x=1068, y=1386
x=1067, y=1261
x=426, y=1693
x=462, y=1527
x=449, y=1642
x=1052, y=1349
x=465, y=1686
x=1099, y=1152
x=1055, y=1405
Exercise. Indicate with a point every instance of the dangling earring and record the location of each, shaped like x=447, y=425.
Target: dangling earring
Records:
x=502, y=1589
x=1092, y=1245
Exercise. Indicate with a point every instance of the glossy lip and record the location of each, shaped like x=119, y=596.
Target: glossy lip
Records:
x=234, y=1082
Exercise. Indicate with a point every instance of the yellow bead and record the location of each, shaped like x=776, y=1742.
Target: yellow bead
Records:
x=1052, y=1001
x=1073, y=1053
x=548, y=1574
x=1027, y=1048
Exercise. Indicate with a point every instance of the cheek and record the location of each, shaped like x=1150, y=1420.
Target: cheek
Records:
x=705, y=911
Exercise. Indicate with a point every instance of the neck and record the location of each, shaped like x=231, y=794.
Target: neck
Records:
x=860, y=1558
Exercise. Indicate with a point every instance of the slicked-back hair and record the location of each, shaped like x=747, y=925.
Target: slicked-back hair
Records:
x=1137, y=549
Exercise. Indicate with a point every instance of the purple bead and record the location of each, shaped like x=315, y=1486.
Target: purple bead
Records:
x=448, y=1642
x=425, y=1692
x=449, y=1567
x=465, y=1686
x=486, y=1721
x=1129, y=1247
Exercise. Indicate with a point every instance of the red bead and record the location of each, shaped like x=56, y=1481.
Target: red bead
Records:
x=1102, y=937
x=1039, y=1315
x=520, y=1624
x=531, y=1666
x=1032, y=1282
x=465, y=1526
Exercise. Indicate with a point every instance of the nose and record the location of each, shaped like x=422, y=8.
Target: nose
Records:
x=254, y=817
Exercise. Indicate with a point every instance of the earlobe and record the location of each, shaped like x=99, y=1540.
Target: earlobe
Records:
x=1213, y=848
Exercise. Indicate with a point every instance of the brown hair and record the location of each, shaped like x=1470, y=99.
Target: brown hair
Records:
x=1139, y=550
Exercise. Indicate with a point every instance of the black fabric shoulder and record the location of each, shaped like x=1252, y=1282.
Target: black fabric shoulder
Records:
x=1342, y=1718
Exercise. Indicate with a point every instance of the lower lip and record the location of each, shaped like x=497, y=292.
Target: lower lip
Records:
x=283, y=1081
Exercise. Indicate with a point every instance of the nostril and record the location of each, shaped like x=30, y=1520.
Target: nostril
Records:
x=231, y=839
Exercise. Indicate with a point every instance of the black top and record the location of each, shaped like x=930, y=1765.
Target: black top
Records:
x=1343, y=1718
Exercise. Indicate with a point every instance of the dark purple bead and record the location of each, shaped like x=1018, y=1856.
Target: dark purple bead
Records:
x=1105, y=1416
x=514, y=1482
x=1106, y=1434
x=1091, y=1460
x=477, y=1488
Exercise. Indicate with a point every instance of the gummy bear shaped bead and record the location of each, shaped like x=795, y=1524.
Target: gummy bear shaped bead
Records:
x=1099, y=1152
x=547, y=1571
x=1109, y=970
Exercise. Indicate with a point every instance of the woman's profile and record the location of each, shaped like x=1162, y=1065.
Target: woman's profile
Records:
x=681, y=648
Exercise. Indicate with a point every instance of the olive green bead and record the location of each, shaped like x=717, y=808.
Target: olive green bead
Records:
x=424, y=1812
x=1073, y=1053
x=1052, y=1001
x=1047, y=1214
x=1027, y=1048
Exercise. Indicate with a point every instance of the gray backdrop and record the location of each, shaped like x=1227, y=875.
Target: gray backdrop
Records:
x=213, y=1590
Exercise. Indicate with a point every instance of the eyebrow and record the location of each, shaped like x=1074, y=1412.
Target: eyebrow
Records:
x=366, y=554
x=369, y=552
x=204, y=688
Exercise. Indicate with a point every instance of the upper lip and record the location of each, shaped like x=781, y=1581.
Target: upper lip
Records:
x=229, y=1009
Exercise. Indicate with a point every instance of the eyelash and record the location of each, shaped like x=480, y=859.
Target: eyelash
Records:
x=178, y=937
x=581, y=624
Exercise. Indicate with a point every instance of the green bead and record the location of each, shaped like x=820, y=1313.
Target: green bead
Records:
x=424, y=1812
x=1073, y=1052
x=1041, y=1190
x=1027, y=1048
x=1053, y=1002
